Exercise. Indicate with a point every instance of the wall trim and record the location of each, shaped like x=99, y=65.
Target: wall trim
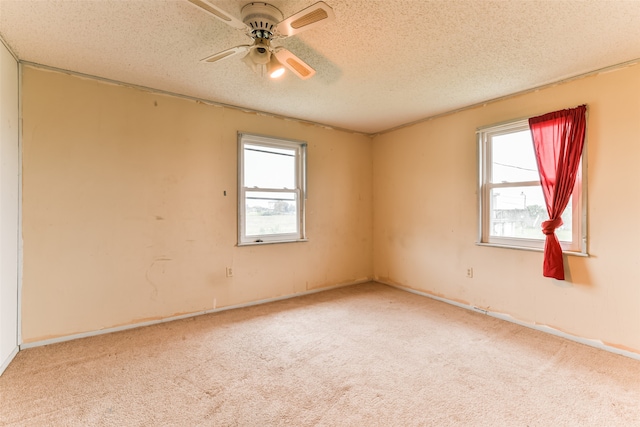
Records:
x=371, y=135
x=5, y=363
x=20, y=177
x=9, y=49
x=542, y=328
x=187, y=97
x=602, y=70
x=87, y=334
x=502, y=316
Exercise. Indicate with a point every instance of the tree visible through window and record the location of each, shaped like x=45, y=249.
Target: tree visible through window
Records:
x=271, y=189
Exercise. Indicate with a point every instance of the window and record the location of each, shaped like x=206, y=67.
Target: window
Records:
x=512, y=205
x=271, y=180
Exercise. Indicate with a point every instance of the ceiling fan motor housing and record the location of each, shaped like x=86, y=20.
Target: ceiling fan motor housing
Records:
x=262, y=18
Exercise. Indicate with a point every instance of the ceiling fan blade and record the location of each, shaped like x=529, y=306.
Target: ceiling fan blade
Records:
x=226, y=53
x=308, y=18
x=295, y=64
x=218, y=13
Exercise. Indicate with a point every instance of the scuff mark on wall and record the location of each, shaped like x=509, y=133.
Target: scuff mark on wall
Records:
x=160, y=262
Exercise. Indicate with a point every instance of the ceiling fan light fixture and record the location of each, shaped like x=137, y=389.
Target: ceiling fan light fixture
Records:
x=276, y=69
x=260, y=52
x=255, y=67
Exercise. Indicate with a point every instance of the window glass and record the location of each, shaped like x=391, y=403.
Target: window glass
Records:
x=269, y=167
x=517, y=212
x=271, y=213
x=513, y=158
x=512, y=206
x=271, y=188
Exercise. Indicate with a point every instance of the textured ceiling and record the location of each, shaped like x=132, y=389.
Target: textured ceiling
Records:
x=380, y=64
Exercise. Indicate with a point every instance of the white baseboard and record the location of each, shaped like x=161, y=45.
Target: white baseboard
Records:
x=8, y=360
x=183, y=316
x=542, y=328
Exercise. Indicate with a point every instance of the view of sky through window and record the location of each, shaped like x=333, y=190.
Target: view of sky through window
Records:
x=269, y=167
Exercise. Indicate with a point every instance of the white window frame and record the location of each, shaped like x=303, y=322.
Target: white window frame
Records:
x=300, y=192
x=578, y=245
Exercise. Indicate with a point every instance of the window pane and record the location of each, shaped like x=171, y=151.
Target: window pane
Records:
x=270, y=213
x=517, y=212
x=268, y=167
x=512, y=207
x=513, y=158
x=564, y=233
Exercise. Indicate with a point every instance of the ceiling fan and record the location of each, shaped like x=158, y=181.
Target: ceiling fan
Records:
x=264, y=23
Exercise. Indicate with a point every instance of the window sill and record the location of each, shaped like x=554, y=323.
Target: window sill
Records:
x=272, y=242
x=523, y=248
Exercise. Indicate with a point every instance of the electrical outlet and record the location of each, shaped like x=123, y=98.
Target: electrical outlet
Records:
x=229, y=271
x=470, y=272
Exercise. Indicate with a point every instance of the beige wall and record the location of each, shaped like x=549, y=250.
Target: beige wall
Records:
x=125, y=218
x=425, y=215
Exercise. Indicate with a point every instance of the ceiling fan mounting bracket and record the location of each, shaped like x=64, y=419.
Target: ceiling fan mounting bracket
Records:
x=262, y=18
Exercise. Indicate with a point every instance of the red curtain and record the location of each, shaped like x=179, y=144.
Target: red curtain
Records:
x=558, y=139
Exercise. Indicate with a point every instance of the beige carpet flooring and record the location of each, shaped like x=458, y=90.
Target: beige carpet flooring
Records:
x=364, y=355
